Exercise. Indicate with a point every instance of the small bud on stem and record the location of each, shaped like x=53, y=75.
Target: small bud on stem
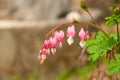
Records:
x=83, y=5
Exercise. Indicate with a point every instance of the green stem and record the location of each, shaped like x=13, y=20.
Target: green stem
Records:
x=92, y=17
x=118, y=36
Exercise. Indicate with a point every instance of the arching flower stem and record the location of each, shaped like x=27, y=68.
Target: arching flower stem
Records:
x=76, y=22
x=93, y=25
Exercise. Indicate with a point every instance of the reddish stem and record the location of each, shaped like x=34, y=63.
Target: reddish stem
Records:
x=77, y=22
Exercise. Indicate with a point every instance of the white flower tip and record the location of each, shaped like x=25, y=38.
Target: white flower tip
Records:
x=53, y=50
x=43, y=57
x=82, y=44
x=48, y=51
x=70, y=41
x=60, y=45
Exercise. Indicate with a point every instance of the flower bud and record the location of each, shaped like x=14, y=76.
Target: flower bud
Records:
x=83, y=5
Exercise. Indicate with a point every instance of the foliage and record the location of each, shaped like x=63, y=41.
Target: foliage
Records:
x=97, y=47
x=115, y=17
x=114, y=67
x=102, y=45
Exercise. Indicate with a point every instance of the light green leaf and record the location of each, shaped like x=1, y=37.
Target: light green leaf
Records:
x=113, y=67
x=93, y=57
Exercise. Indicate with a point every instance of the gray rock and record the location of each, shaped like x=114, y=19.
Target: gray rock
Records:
x=38, y=9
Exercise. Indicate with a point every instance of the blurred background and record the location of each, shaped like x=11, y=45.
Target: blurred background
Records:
x=23, y=25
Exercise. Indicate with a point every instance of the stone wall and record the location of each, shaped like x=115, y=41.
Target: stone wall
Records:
x=38, y=9
x=48, y=9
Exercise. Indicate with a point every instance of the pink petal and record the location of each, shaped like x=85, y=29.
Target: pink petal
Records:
x=71, y=31
x=43, y=51
x=42, y=55
x=82, y=34
x=53, y=42
x=46, y=44
x=59, y=35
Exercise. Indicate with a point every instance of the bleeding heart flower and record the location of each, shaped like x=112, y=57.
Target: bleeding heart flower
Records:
x=42, y=55
x=47, y=46
x=71, y=34
x=53, y=42
x=71, y=31
x=83, y=36
x=59, y=36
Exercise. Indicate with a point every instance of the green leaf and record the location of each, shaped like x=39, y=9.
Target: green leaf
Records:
x=114, y=36
x=101, y=37
x=110, y=22
x=113, y=67
x=99, y=45
x=91, y=41
x=112, y=8
x=113, y=19
x=93, y=57
x=117, y=56
x=92, y=49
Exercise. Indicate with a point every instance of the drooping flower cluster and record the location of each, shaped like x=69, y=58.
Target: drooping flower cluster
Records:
x=50, y=44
